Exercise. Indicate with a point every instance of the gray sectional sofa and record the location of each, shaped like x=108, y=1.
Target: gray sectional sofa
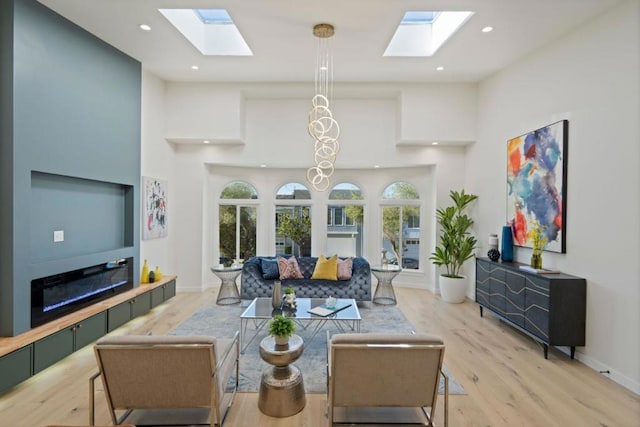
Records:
x=255, y=282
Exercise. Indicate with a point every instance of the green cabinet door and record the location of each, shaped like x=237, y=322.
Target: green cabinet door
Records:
x=15, y=367
x=169, y=290
x=118, y=315
x=157, y=296
x=140, y=305
x=90, y=329
x=49, y=350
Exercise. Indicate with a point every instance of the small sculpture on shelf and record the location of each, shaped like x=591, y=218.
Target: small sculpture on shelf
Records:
x=384, y=261
x=290, y=298
x=493, y=254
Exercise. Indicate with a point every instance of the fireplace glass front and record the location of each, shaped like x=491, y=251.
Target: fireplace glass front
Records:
x=60, y=294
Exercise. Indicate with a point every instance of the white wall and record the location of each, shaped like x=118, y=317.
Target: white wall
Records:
x=589, y=77
x=275, y=134
x=157, y=161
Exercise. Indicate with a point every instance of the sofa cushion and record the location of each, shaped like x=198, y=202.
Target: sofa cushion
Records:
x=288, y=268
x=345, y=266
x=326, y=268
x=269, y=268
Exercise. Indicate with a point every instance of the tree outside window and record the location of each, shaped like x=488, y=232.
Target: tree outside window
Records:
x=345, y=220
x=237, y=223
x=401, y=226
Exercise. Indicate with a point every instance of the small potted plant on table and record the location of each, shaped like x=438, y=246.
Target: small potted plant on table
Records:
x=281, y=328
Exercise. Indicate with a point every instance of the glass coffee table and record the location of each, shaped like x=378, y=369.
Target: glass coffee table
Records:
x=260, y=311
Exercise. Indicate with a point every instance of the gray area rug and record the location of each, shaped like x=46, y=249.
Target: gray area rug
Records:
x=223, y=321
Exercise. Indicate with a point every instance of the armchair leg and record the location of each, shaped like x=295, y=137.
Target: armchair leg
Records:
x=92, y=399
x=446, y=399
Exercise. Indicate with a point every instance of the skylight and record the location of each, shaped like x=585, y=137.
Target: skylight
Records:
x=422, y=33
x=211, y=31
x=213, y=16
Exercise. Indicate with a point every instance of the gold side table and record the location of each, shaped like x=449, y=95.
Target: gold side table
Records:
x=385, y=295
x=281, y=387
x=228, y=292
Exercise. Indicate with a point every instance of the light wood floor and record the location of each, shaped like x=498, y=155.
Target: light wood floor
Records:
x=507, y=380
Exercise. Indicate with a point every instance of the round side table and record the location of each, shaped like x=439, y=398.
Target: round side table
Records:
x=228, y=292
x=385, y=294
x=281, y=387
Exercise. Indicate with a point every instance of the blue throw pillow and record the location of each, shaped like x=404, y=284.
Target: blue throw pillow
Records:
x=269, y=269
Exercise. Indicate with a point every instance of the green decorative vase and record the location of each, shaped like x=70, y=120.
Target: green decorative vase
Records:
x=536, y=259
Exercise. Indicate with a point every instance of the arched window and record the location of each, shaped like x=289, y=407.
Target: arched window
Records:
x=345, y=220
x=401, y=224
x=293, y=220
x=237, y=222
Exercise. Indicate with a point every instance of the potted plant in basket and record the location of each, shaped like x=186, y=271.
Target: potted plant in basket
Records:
x=456, y=245
x=281, y=328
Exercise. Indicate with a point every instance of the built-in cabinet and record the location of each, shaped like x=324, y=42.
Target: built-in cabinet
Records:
x=551, y=308
x=27, y=354
x=49, y=350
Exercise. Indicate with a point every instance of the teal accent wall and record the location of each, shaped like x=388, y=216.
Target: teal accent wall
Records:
x=6, y=164
x=74, y=150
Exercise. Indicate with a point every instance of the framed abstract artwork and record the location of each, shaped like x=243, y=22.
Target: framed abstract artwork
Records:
x=154, y=210
x=537, y=185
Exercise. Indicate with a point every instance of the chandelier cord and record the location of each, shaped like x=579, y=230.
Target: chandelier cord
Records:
x=322, y=127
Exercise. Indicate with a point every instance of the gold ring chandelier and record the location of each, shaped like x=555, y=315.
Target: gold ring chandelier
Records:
x=323, y=128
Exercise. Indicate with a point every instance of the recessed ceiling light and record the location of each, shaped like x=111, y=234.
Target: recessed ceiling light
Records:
x=206, y=141
x=376, y=166
x=434, y=143
x=487, y=29
x=263, y=165
x=145, y=27
x=440, y=68
x=195, y=67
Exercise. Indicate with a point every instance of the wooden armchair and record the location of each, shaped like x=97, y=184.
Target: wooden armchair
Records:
x=384, y=378
x=154, y=380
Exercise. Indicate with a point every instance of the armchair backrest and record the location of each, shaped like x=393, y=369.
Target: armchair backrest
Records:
x=143, y=372
x=384, y=369
x=157, y=371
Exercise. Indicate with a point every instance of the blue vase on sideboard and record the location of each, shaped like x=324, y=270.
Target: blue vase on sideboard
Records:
x=507, y=244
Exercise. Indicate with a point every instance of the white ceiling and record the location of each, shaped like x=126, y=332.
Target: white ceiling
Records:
x=279, y=32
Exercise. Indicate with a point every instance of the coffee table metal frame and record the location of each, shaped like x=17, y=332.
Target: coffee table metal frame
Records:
x=260, y=311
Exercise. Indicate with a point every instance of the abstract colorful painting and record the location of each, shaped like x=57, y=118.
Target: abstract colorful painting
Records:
x=154, y=212
x=537, y=185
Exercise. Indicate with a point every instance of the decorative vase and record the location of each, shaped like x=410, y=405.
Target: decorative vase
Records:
x=152, y=277
x=453, y=289
x=493, y=254
x=157, y=273
x=536, y=259
x=493, y=242
x=276, y=294
x=507, y=243
x=281, y=340
x=144, y=276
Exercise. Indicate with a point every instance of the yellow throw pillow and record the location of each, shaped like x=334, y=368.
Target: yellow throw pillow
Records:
x=326, y=268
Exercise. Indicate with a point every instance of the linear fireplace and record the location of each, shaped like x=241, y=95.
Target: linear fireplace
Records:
x=60, y=294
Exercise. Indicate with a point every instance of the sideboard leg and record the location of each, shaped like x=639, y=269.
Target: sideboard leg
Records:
x=573, y=351
x=480, y=310
x=546, y=350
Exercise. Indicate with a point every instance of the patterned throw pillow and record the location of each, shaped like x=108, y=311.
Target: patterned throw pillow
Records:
x=269, y=268
x=345, y=267
x=289, y=268
x=326, y=268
